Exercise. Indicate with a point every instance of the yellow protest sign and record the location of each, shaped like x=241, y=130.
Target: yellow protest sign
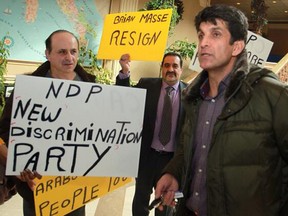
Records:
x=142, y=34
x=59, y=195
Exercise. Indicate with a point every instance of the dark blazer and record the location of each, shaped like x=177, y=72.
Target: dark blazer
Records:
x=153, y=87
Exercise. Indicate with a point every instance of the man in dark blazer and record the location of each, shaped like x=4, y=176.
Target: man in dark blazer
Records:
x=154, y=154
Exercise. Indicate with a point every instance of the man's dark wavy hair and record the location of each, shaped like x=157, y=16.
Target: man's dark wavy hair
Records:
x=172, y=54
x=235, y=19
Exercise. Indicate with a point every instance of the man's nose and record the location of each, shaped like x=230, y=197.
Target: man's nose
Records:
x=204, y=41
x=68, y=56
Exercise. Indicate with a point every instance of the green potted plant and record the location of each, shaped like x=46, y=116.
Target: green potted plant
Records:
x=175, y=5
x=89, y=61
x=4, y=54
x=259, y=15
x=183, y=47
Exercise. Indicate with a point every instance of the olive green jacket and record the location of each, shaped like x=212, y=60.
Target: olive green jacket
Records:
x=247, y=171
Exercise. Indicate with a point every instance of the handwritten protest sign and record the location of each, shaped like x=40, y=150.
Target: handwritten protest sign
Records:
x=59, y=195
x=258, y=49
x=62, y=127
x=142, y=34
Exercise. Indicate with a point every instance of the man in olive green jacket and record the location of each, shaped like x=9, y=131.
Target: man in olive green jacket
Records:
x=233, y=155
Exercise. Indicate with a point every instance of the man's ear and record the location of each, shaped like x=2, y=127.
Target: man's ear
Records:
x=238, y=47
x=46, y=54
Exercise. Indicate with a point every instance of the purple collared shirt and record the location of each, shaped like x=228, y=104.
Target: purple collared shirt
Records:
x=209, y=110
x=156, y=144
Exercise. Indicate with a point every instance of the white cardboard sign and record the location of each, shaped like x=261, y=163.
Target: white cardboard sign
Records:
x=61, y=127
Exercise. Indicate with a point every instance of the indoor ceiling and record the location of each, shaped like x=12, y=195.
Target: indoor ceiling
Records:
x=277, y=11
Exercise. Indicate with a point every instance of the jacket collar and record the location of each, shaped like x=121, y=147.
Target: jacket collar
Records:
x=239, y=91
x=239, y=72
x=45, y=67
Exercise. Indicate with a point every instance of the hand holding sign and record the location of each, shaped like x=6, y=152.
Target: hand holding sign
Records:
x=28, y=176
x=125, y=63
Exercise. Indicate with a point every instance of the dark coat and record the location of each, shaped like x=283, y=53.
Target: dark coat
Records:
x=247, y=171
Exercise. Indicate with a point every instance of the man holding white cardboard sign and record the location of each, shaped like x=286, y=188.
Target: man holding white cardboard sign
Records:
x=62, y=49
x=48, y=135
